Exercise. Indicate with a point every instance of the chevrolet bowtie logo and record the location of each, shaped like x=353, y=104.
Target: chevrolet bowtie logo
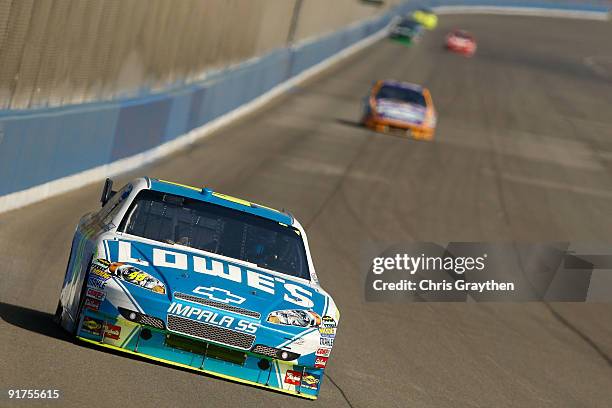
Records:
x=219, y=295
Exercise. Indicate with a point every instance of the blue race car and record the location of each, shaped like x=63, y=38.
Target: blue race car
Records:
x=200, y=280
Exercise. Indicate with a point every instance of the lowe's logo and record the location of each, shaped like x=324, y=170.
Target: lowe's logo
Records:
x=218, y=294
x=165, y=258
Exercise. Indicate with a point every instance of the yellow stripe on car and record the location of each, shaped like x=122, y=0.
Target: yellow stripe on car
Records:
x=232, y=199
x=241, y=201
x=224, y=376
x=181, y=185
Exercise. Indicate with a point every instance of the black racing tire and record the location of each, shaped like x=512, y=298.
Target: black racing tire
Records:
x=362, y=121
x=57, y=317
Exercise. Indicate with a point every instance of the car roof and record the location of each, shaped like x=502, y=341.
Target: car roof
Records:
x=403, y=85
x=224, y=200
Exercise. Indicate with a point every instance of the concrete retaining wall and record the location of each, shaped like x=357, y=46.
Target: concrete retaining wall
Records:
x=47, y=151
x=60, y=52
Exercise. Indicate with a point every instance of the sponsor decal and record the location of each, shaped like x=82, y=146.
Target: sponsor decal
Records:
x=293, y=377
x=323, y=352
x=327, y=331
x=320, y=362
x=99, y=268
x=103, y=263
x=93, y=304
x=219, y=295
x=211, y=317
x=326, y=341
x=328, y=321
x=300, y=318
x=311, y=381
x=95, y=294
x=92, y=326
x=291, y=292
x=299, y=341
x=95, y=282
x=112, y=332
x=100, y=273
x=135, y=276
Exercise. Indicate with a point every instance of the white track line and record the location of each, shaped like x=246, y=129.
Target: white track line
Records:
x=65, y=184
x=75, y=181
x=523, y=11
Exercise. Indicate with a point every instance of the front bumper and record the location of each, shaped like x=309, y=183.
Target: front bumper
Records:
x=381, y=124
x=463, y=50
x=407, y=39
x=120, y=334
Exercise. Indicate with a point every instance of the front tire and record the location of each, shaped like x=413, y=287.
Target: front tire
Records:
x=57, y=317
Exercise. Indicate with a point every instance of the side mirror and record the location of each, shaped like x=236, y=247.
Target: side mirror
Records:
x=107, y=191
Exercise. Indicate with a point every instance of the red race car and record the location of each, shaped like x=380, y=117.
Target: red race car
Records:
x=461, y=42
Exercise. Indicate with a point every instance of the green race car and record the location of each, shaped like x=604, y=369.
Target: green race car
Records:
x=407, y=31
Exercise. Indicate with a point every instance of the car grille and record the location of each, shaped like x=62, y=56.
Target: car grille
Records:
x=151, y=321
x=205, y=349
x=218, y=305
x=209, y=332
x=275, y=353
x=399, y=131
x=265, y=350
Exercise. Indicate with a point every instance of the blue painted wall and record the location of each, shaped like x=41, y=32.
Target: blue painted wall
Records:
x=39, y=146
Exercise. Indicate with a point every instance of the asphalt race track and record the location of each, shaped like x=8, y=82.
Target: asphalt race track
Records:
x=523, y=152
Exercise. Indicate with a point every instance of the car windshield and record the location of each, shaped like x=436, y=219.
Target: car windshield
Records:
x=401, y=94
x=408, y=24
x=179, y=220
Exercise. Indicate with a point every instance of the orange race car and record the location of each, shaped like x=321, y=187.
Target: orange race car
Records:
x=400, y=107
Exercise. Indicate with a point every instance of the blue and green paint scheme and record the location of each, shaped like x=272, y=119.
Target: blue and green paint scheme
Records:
x=96, y=301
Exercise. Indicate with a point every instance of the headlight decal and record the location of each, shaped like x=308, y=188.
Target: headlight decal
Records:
x=103, y=269
x=135, y=276
x=299, y=318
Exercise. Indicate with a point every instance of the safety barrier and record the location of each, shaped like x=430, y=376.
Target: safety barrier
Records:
x=49, y=151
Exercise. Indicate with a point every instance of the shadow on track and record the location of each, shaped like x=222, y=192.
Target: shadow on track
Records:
x=43, y=323
x=351, y=123
x=32, y=320
x=359, y=125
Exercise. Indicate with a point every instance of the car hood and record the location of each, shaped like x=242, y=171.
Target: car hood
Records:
x=460, y=40
x=197, y=279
